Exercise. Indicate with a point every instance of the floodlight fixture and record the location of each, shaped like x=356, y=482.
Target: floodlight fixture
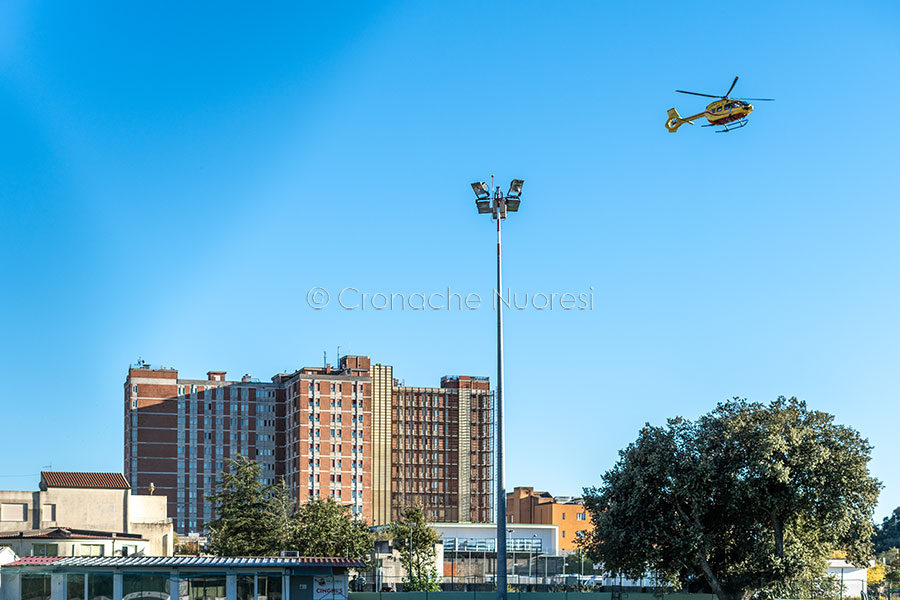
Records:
x=515, y=188
x=481, y=189
x=512, y=204
x=484, y=206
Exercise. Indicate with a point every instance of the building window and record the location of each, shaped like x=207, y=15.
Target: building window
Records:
x=13, y=512
x=48, y=513
x=92, y=550
x=579, y=517
x=45, y=550
x=564, y=534
x=564, y=516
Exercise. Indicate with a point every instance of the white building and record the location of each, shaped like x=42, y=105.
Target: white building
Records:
x=853, y=578
x=482, y=537
x=61, y=541
x=470, y=552
x=99, y=502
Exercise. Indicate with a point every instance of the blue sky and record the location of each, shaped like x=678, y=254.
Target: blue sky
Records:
x=173, y=180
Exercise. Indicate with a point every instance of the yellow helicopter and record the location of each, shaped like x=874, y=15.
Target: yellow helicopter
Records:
x=730, y=113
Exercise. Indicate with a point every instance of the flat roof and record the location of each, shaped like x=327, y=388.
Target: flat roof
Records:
x=494, y=525
x=186, y=561
x=66, y=533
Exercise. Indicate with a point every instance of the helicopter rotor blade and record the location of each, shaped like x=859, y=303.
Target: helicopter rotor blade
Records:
x=697, y=94
x=759, y=99
x=733, y=83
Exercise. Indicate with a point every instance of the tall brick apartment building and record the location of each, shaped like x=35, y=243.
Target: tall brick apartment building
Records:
x=349, y=432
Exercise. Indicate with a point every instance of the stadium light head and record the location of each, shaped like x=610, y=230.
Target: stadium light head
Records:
x=515, y=188
x=484, y=206
x=481, y=189
x=512, y=204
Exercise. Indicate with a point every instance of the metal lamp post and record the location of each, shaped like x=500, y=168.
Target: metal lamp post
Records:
x=492, y=201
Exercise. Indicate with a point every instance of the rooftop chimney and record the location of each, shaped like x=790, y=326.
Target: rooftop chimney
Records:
x=215, y=375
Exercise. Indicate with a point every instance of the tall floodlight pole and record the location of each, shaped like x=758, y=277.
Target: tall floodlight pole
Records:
x=494, y=202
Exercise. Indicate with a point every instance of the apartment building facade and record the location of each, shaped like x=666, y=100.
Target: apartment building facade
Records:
x=441, y=450
x=524, y=505
x=180, y=434
x=350, y=432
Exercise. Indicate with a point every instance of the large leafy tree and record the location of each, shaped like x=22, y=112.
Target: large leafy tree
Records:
x=326, y=528
x=415, y=541
x=242, y=510
x=255, y=520
x=745, y=500
x=887, y=535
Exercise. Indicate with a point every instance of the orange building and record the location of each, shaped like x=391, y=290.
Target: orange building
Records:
x=524, y=505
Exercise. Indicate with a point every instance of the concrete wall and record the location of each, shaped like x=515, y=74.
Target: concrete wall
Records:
x=392, y=571
x=8, y=499
x=98, y=509
x=87, y=508
x=161, y=536
x=146, y=509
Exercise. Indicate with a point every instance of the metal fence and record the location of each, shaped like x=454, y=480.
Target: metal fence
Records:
x=526, y=596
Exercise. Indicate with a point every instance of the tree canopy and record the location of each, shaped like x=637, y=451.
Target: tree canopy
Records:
x=747, y=499
x=327, y=528
x=242, y=505
x=255, y=520
x=887, y=535
x=415, y=541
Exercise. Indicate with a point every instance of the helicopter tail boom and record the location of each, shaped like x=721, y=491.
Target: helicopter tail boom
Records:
x=675, y=120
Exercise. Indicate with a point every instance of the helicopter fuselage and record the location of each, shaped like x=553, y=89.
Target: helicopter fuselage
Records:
x=725, y=111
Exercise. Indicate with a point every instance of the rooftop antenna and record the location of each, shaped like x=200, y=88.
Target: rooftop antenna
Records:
x=324, y=358
x=338, y=355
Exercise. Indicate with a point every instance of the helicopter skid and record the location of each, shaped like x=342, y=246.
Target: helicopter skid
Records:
x=729, y=126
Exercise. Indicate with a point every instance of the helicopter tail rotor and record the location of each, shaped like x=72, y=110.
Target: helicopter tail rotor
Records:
x=674, y=121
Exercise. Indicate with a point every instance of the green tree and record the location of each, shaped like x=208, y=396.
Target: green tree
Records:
x=579, y=563
x=415, y=541
x=326, y=528
x=281, y=521
x=242, y=511
x=887, y=535
x=748, y=498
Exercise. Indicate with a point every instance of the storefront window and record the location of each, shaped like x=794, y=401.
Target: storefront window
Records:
x=245, y=585
x=75, y=586
x=35, y=587
x=145, y=585
x=202, y=587
x=100, y=586
x=268, y=587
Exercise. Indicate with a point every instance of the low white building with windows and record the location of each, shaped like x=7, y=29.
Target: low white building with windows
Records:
x=177, y=578
x=89, y=503
x=61, y=541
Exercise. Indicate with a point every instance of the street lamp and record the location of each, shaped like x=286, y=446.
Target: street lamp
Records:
x=492, y=201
